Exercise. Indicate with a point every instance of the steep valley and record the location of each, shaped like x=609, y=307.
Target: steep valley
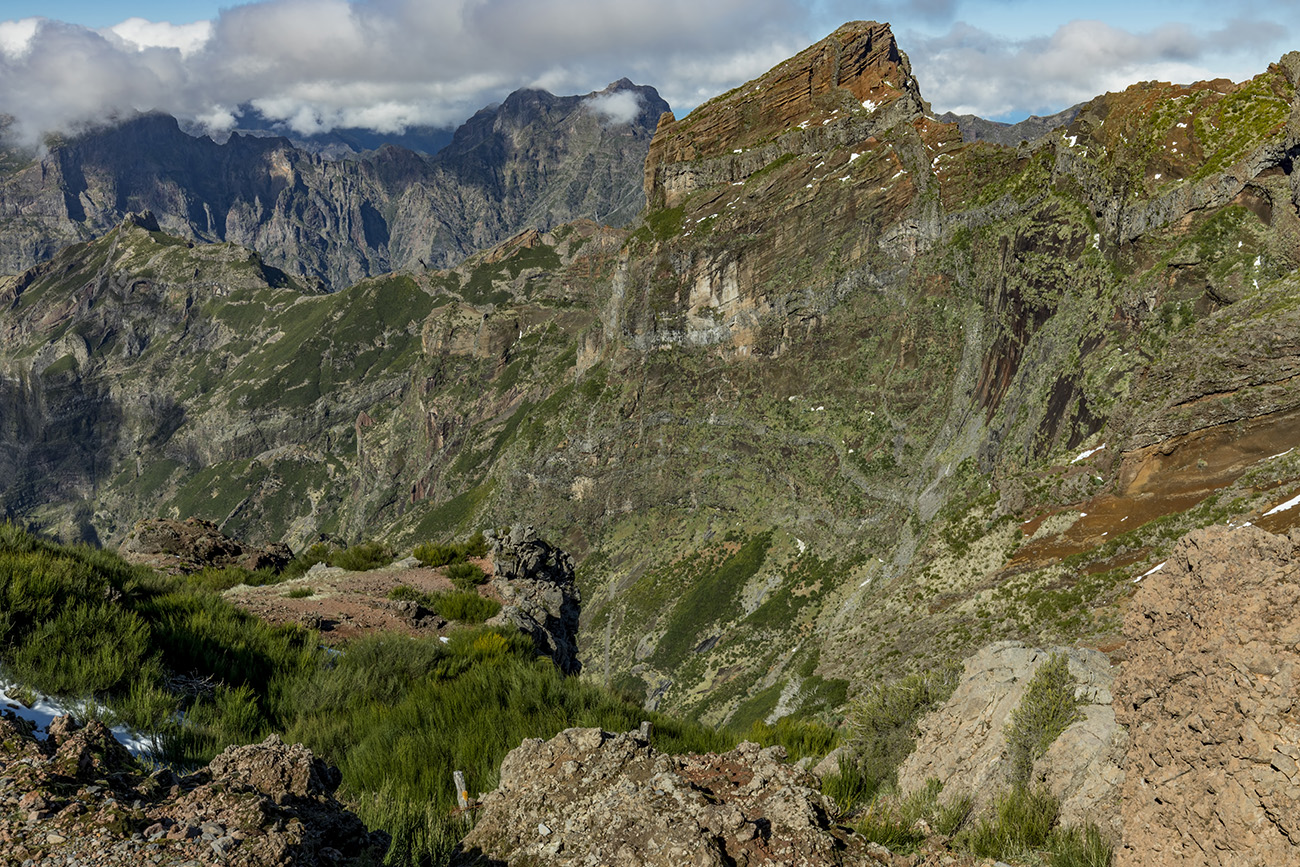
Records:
x=851, y=397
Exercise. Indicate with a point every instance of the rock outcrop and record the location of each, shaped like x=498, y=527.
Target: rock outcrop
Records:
x=963, y=743
x=536, y=583
x=1209, y=695
x=589, y=797
x=195, y=544
x=79, y=797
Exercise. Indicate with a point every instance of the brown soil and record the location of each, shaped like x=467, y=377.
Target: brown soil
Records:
x=1168, y=478
x=344, y=605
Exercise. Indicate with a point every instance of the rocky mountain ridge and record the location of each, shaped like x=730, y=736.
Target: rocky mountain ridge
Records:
x=535, y=161
x=854, y=395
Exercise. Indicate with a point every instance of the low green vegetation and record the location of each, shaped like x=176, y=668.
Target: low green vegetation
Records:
x=397, y=715
x=1047, y=708
x=357, y=558
x=463, y=605
x=883, y=723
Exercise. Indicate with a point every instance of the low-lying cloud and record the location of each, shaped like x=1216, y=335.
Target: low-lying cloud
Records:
x=614, y=108
x=313, y=65
x=382, y=64
x=972, y=71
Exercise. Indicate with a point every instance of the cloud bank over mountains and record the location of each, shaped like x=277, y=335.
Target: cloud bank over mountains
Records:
x=314, y=65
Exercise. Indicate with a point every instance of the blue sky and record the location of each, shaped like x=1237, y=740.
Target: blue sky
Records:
x=386, y=64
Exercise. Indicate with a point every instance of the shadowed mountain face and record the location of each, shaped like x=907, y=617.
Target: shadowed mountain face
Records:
x=535, y=161
x=852, y=395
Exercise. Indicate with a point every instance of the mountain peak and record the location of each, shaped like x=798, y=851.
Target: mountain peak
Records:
x=857, y=68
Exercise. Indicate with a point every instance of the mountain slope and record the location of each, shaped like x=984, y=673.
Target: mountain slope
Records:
x=534, y=162
x=834, y=407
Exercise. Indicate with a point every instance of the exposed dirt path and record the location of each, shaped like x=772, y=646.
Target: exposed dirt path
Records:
x=343, y=605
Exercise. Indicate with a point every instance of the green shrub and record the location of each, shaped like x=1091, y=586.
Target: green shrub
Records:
x=883, y=722
x=800, y=737
x=477, y=546
x=1047, y=708
x=218, y=579
x=466, y=576
x=895, y=823
x=463, y=605
x=1021, y=824
x=300, y=593
x=362, y=557
x=317, y=553
x=1075, y=847
x=849, y=787
x=466, y=606
x=438, y=555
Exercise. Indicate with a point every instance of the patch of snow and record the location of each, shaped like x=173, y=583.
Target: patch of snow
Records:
x=809, y=187
x=1289, y=504
x=444, y=639
x=1089, y=453
x=45, y=709
x=1182, y=126
x=853, y=157
x=1280, y=454
x=738, y=184
x=803, y=125
x=1153, y=570
x=1072, y=139
x=738, y=151
x=869, y=105
x=799, y=543
x=1157, y=176
x=1239, y=245
x=1259, y=260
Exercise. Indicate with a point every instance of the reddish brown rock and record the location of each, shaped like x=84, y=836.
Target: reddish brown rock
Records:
x=1208, y=694
x=194, y=544
x=589, y=797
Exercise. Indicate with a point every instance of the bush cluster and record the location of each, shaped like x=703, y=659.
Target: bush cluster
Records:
x=463, y=605
x=397, y=715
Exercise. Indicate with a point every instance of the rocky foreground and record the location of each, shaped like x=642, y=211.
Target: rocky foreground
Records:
x=78, y=798
x=1184, y=754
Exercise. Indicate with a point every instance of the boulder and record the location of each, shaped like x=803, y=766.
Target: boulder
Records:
x=194, y=544
x=963, y=743
x=589, y=797
x=1208, y=692
x=536, y=583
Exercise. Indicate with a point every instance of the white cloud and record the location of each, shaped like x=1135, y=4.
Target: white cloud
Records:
x=315, y=64
x=16, y=36
x=142, y=34
x=615, y=108
x=388, y=64
x=971, y=71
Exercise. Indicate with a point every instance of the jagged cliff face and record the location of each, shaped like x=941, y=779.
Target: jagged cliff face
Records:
x=535, y=161
x=834, y=406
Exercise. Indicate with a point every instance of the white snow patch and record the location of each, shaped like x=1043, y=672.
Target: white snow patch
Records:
x=1280, y=454
x=803, y=125
x=1182, y=126
x=853, y=157
x=1072, y=139
x=1153, y=570
x=45, y=709
x=1289, y=504
x=809, y=187
x=799, y=543
x=1089, y=453
x=444, y=639
x=1157, y=176
x=1239, y=245
x=869, y=105
x=738, y=151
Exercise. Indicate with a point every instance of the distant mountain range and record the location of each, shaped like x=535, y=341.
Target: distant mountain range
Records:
x=535, y=161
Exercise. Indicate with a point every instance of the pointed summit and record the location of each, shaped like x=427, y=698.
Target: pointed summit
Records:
x=858, y=67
